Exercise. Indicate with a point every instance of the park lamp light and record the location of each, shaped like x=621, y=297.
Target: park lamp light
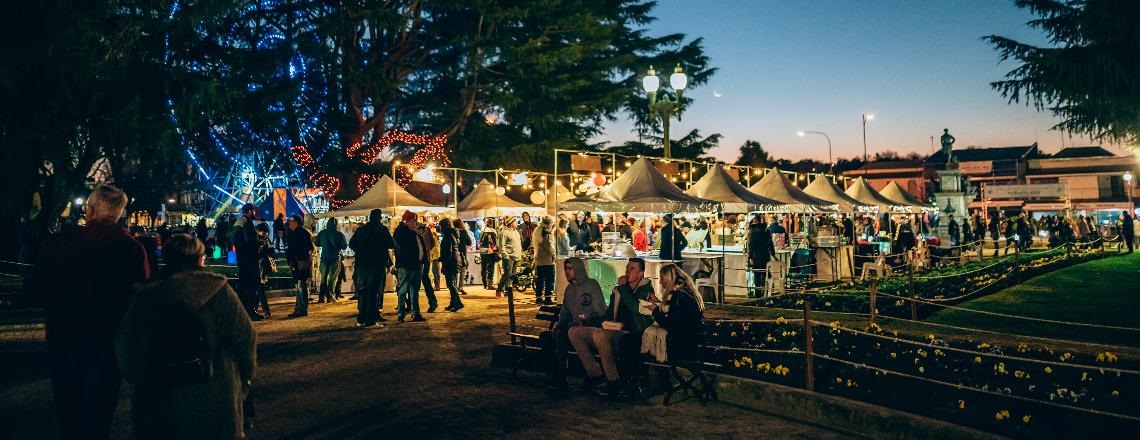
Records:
x=665, y=107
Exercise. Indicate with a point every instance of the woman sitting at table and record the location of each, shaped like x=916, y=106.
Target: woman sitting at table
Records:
x=679, y=311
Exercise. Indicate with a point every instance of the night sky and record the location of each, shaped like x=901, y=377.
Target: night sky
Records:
x=918, y=66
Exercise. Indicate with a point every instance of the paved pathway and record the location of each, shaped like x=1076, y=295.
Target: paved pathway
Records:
x=321, y=377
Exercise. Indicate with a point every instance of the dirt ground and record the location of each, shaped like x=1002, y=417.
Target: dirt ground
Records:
x=321, y=377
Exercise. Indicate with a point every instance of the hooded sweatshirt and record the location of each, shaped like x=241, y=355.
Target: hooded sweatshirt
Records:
x=209, y=410
x=583, y=297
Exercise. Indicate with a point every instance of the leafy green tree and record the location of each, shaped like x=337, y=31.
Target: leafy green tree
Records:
x=693, y=146
x=1088, y=74
x=752, y=154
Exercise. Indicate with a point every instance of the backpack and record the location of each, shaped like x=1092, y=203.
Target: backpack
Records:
x=181, y=353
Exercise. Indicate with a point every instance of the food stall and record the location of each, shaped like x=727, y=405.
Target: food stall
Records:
x=486, y=201
x=867, y=247
x=837, y=261
x=640, y=189
x=776, y=186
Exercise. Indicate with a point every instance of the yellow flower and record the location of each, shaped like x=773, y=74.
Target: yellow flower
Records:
x=834, y=324
x=1026, y=418
x=978, y=360
x=961, y=404
x=983, y=346
x=1115, y=393
x=1002, y=415
x=1048, y=370
x=893, y=355
x=930, y=337
x=781, y=320
x=921, y=369
x=852, y=384
x=1084, y=376
x=839, y=380
x=1019, y=374
x=736, y=363
x=1066, y=356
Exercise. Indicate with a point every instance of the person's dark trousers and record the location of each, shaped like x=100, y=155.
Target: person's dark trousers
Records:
x=487, y=271
x=369, y=291
x=1128, y=239
x=330, y=274
x=428, y=290
x=759, y=275
x=629, y=359
x=263, y=299
x=85, y=386
x=508, y=271
x=249, y=280
x=451, y=279
x=544, y=287
x=560, y=356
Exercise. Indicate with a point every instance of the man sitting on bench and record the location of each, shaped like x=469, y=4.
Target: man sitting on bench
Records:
x=622, y=333
x=582, y=306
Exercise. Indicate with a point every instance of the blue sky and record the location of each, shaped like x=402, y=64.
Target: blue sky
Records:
x=919, y=66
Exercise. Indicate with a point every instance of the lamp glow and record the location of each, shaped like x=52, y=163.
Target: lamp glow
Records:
x=78, y=200
x=651, y=82
x=446, y=189
x=678, y=79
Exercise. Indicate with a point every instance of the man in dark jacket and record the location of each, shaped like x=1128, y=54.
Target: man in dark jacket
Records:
x=760, y=252
x=300, y=257
x=1126, y=230
x=331, y=241
x=371, y=244
x=672, y=240
x=84, y=276
x=279, y=232
x=243, y=235
x=411, y=263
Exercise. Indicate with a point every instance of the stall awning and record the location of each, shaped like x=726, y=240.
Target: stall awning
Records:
x=641, y=188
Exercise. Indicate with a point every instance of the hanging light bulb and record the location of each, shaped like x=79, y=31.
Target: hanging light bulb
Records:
x=446, y=189
x=500, y=190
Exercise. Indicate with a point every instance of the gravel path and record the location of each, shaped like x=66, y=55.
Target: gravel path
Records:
x=321, y=377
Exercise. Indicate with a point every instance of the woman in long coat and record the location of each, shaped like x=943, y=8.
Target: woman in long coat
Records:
x=450, y=260
x=208, y=406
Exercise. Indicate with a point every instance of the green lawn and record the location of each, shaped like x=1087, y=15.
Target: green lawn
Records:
x=1104, y=292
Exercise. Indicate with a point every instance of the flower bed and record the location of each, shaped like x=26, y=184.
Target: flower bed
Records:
x=1007, y=390
x=947, y=284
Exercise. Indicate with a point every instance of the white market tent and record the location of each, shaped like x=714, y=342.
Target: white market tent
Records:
x=386, y=196
x=776, y=186
x=895, y=193
x=824, y=189
x=862, y=191
x=485, y=202
x=641, y=188
x=719, y=186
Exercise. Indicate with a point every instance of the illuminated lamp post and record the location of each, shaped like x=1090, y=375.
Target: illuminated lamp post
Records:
x=866, y=117
x=830, y=163
x=664, y=106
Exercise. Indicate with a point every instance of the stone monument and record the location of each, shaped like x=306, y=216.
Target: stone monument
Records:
x=951, y=197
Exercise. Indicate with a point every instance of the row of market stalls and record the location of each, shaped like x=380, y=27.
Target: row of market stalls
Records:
x=642, y=190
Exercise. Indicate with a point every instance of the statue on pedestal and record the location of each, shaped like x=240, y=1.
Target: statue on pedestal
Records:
x=948, y=149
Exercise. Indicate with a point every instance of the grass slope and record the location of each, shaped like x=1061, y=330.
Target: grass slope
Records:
x=1104, y=292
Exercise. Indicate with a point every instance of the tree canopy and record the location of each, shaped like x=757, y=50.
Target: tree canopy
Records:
x=1088, y=75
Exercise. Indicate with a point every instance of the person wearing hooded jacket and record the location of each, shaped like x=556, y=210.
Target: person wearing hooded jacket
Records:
x=450, y=258
x=542, y=245
x=211, y=409
x=582, y=306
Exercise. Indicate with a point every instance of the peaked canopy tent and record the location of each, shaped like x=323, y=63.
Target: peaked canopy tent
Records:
x=776, y=186
x=824, y=189
x=862, y=191
x=280, y=201
x=386, y=196
x=485, y=202
x=903, y=199
x=717, y=185
x=556, y=194
x=641, y=188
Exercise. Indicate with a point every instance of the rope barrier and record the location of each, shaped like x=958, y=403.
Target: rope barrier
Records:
x=753, y=350
x=977, y=353
x=931, y=277
x=1027, y=318
x=969, y=388
x=1013, y=335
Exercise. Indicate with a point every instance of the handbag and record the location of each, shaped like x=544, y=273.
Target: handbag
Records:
x=614, y=325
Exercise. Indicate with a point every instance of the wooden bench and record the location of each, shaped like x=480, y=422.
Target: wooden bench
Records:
x=533, y=344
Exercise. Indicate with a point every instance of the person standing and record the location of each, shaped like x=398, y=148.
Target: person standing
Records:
x=201, y=230
x=411, y=264
x=450, y=261
x=331, y=241
x=488, y=253
x=300, y=256
x=760, y=252
x=542, y=243
x=243, y=235
x=573, y=234
x=279, y=232
x=672, y=240
x=428, y=234
x=526, y=230
x=994, y=227
x=510, y=252
x=166, y=404
x=222, y=234
x=371, y=243
x=1126, y=229
x=561, y=238
x=465, y=243
x=267, y=266
x=955, y=233
x=84, y=275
